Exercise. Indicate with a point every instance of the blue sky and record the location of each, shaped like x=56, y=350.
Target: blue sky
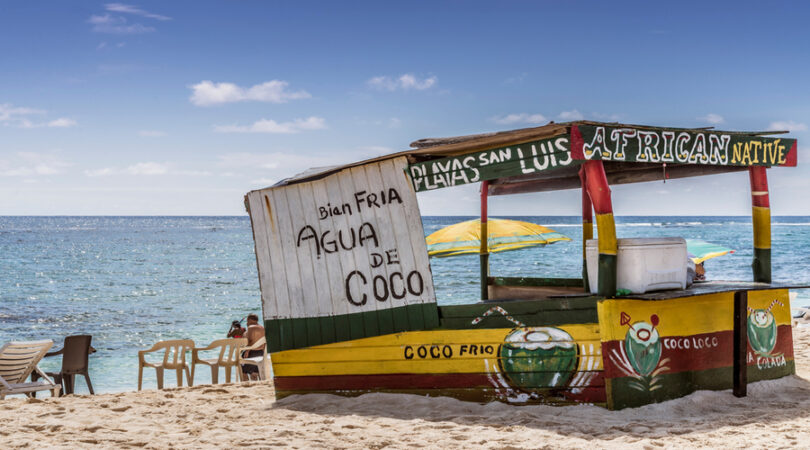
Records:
x=181, y=107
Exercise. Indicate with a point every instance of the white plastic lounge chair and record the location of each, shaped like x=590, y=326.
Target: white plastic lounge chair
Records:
x=229, y=350
x=259, y=361
x=20, y=359
x=174, y=358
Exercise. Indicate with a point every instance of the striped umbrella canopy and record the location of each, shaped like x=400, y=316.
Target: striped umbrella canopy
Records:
x=701, y=250
x=465, y=237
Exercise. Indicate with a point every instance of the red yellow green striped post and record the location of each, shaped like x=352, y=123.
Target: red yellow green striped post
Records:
x=599, y=193
x=761, y=214
x=484, y=252
x=587, y=227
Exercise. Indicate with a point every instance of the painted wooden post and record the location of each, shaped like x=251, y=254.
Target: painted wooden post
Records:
x=599, y=193
x=587, y=228
x=484, y=242
x=740, y=371
x=761, y=212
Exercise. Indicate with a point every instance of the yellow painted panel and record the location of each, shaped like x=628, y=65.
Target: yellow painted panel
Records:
x=422, y=352
x=762, y=226
x=606, y=227
x=686, y=316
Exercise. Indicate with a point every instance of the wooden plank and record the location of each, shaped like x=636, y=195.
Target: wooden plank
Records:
x=528, y=281
x=547, y=318
x=333, y=261
x=418, y=247
x=524, y=307
x=260, y=227
x=740, y=368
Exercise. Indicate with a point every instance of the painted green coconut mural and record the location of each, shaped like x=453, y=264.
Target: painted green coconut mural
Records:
x=536, y=359
x=762, y=331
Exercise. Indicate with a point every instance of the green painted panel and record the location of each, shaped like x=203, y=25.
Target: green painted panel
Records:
x=607, y=275
x=327, y=325
x=342, y=328
x=299, y=328
x=357, y=326
x=385, y=320
x=415, y=319
x=519, y=159
x=714, y=148
x=400, y=319
x=762, y=265
x=431, y=314
x=272, y=334
x=623, y=393
x=370, y=324
x=286, y=334
x=313, y=331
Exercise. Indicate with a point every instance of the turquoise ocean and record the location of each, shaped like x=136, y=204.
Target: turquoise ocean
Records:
x=133, y=281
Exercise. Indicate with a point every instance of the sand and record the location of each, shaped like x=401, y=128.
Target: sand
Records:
x=775, y=414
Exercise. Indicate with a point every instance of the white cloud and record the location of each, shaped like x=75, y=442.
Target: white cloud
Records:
x=288, y=162
x=130, y=9
x=144, y=169
x=788, y=125
x=571, y=115
x=117, y=25
x=511, y=119
x=152, y=133
x=20, y=117
x=273, y=127
x=404, y=82
x=27, y=164
x=207, y=93
x=264, y=181
x=712, y=118
x=62, y=122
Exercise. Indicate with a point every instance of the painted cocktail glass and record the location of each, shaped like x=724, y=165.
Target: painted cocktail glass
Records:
x=762, y=331
x=643, y=347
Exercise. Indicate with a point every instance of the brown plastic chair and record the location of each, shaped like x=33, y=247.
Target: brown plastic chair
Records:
x=174, y=358
x=75, y=352
x=228, y=357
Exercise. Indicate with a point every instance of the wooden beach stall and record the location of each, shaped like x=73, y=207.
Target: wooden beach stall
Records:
x=349, y=304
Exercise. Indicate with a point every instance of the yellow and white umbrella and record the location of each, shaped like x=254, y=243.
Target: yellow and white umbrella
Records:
x=503, y=235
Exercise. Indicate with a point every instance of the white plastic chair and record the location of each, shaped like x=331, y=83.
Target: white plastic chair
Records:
x=229, y=350
x=259, y=361
x=20, y=359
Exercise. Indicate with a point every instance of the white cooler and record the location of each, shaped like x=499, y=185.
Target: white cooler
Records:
x=643, y=264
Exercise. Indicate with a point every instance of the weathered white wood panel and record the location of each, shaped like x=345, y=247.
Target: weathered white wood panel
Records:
x=351, y=242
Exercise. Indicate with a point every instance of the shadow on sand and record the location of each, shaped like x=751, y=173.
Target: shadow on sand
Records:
x=767, y=404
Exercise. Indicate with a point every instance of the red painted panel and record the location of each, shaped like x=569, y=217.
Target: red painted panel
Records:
x=693, y=353
x=759, y=185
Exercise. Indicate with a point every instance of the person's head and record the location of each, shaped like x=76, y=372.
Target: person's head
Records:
x=236, y=324
x=252, y=319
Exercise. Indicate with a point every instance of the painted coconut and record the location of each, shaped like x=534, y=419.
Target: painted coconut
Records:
x=643, y=347
x=538, y=358
x=761, y=331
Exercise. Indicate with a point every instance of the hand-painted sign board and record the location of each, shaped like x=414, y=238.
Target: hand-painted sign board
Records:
x=343, y=257
x=716, y=148
x=588, y=142
x=536, y=156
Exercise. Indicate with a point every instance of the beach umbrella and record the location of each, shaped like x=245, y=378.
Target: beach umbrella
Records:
x=701, y=250
x=465, y=237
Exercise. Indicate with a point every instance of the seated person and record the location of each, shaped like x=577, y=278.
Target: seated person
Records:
x=236, y=330
x=254, y=333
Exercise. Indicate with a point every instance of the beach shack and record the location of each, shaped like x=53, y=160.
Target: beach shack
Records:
x=348, y=297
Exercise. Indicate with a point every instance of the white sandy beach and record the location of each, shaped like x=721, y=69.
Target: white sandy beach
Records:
x=775, y=414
